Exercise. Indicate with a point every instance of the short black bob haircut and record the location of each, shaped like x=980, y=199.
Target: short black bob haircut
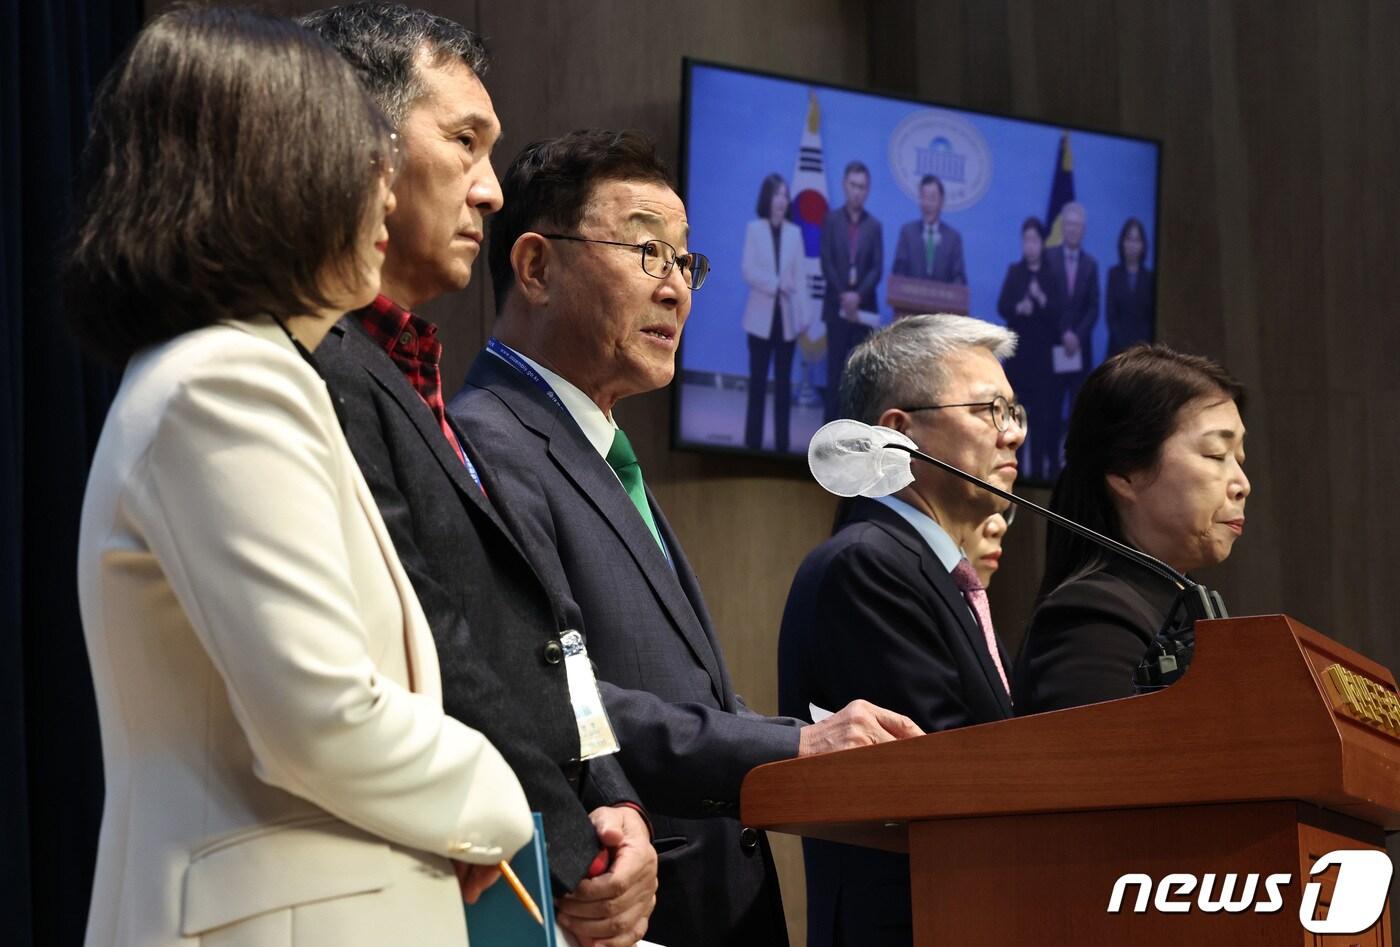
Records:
x=1127, y=409
x=1129, y=225
x=550, y=183
x=231, y=166
x=766, y=192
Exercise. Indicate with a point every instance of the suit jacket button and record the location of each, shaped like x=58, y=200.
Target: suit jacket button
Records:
x=748, y=841
x=553, y=652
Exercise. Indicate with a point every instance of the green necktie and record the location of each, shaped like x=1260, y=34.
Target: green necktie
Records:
x=623, y=460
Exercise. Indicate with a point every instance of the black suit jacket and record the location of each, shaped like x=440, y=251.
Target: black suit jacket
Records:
x=490, y=614
x=1129, y=312
x=1088, y=636
x=874, y=614
x=687, y=738
x=910, y=259
x=1030, y=369
x=836, y=261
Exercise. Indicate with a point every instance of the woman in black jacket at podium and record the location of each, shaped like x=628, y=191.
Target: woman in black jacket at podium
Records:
x=1154, y=458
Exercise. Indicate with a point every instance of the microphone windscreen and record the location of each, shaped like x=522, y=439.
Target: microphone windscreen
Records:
x=848, y=458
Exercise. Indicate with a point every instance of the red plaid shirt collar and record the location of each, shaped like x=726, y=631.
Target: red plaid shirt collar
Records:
x=413, y=344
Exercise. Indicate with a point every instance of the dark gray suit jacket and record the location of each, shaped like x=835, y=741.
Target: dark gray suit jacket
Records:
x=836, y=261
x=910, y=259
x=1080, y=308
x=491, y=616
x=873, y=614
x=688, y=740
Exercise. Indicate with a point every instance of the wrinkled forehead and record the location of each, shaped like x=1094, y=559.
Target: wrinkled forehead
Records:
x=637, y=209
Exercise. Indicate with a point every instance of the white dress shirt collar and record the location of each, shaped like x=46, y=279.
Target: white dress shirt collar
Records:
x=599, y=428
x=937, y=538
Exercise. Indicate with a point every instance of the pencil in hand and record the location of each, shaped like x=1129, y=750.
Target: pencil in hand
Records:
x=521, y=893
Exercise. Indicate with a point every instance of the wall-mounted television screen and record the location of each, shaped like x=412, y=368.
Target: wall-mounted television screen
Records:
x=828, y=212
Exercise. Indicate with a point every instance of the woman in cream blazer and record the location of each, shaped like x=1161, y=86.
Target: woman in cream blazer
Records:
x=774, y=315
x=279, y=770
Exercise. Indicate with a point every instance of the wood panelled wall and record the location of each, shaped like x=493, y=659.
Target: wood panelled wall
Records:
x=1280, y=198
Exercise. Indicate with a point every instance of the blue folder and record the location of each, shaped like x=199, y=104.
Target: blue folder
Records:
x=498, y=917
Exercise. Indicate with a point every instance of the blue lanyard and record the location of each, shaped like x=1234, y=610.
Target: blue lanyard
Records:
x=517, y=361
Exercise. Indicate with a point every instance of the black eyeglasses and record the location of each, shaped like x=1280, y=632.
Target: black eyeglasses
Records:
x=1004, y=413
x=658, y=258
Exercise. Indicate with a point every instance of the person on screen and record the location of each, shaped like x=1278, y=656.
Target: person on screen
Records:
x=1154, y=459
x=929, y=248
x=773, y=316
x=490, y=611
x=853, y=256
x=890, y=609
x=594, y=281
x=279, y=768
x=1132, y=291
x=1030, y=301
x=1078, y=272
x=983, y=546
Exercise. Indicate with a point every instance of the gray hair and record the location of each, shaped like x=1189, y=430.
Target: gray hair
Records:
x=1074, y=207
x=384, y=41
x=904, y=361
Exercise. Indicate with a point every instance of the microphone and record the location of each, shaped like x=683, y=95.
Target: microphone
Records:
x=850, y=458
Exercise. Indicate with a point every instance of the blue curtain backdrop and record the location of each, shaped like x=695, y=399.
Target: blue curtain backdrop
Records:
x=52, y=403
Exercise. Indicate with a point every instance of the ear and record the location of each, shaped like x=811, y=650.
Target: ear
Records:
x=533, y=261
x=894, y=418
x=1121, y=487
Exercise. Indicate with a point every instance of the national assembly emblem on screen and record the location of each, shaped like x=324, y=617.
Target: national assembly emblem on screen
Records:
x=947, y=146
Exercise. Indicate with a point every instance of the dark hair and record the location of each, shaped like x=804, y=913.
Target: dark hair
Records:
x=928, y=179
x=765, y=194
x=230, y=166
x=384, y=41
x=855, y=167
x=1129, y=224
x=1128, y=408
x=550, y=182
x=1032, y=223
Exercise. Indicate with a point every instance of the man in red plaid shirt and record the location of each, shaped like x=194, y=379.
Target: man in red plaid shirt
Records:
x=497, y=628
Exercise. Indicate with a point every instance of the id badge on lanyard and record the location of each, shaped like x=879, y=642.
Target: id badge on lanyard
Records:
x=595, y=732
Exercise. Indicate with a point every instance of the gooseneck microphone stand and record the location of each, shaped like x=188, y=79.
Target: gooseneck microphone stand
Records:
x=1171, y=650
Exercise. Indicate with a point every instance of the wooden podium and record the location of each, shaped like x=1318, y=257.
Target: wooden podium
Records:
x=1278, y=745
x=910, y=294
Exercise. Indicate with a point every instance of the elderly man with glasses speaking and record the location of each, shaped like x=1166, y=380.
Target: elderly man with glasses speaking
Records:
x=594, y=278
x=890, y=609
